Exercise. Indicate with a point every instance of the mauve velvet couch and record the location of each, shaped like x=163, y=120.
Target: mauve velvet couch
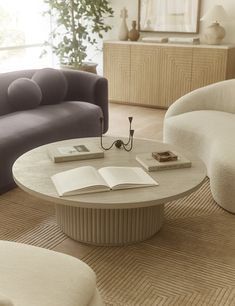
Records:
x=47, y=105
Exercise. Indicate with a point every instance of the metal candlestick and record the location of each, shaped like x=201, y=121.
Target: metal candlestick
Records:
x=118, y=143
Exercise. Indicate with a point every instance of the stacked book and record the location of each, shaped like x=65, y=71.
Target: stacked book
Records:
x=184, y=40
x=173, y=40
x=155, y=39
x=167, y=160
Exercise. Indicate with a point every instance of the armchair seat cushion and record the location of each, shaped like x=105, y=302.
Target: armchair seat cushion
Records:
x=207, y=133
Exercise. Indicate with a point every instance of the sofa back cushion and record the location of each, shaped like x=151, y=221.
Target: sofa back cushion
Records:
x=5, y=80
x=53, y=85
x=24, y=93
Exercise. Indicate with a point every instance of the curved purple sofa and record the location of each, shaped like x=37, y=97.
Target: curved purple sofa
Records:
x=76, y=115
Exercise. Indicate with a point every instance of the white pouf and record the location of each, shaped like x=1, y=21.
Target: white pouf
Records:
x=32, y=276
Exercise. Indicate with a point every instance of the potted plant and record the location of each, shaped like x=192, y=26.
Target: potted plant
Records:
x=78, y=24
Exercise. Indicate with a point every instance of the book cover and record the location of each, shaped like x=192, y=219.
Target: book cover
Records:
x=151, y=164
x=65, y=153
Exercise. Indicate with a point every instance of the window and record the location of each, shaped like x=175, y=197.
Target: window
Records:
x=23, y=30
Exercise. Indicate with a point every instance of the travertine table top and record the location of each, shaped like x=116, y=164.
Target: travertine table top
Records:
x=32, y=172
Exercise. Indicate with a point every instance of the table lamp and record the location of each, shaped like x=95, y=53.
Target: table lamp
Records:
x=215, y=33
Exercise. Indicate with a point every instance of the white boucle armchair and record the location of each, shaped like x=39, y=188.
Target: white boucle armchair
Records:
x=33, y=276
x=203, y=122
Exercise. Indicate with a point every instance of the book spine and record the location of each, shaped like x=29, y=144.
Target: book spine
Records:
x=142, y=163
x=60, y=159
x=169, y=167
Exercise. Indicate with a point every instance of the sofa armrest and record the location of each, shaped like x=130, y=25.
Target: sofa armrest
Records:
x=218, y=96
x=88, y=87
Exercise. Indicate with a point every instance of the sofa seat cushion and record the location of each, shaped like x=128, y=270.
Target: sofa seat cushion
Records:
x=49, y=123
x=25, y=130
x=33, y=276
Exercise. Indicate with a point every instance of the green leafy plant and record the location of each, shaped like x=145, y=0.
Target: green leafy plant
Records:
x=78, y=24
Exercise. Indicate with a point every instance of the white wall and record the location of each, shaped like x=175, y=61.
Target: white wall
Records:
x=132, y=7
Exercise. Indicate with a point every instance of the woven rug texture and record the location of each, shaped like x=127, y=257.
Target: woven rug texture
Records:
x=191, y=261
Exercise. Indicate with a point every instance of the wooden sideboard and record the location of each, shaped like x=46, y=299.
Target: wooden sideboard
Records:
x=156, y=75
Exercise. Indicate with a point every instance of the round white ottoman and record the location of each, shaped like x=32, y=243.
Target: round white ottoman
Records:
x=32, y=276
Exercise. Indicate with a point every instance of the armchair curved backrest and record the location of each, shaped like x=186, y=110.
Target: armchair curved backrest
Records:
x=218, y=96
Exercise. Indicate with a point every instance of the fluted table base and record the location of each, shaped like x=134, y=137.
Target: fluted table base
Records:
x=109, y=226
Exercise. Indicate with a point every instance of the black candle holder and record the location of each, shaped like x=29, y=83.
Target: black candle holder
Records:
x=118, y=143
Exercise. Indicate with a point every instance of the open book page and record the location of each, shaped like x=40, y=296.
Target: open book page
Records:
x=79, y=180
x=126, y=177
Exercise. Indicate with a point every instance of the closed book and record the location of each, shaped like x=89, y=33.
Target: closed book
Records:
x=151, y=164
x=65, y=153
x=184, y=40
x=155, y=39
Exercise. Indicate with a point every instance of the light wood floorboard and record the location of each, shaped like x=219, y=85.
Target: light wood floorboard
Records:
x=147, y=122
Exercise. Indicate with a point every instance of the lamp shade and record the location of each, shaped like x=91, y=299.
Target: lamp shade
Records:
x=216, y=14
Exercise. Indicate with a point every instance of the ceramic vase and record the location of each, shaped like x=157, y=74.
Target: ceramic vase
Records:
x=123, y=31
x=134, y=33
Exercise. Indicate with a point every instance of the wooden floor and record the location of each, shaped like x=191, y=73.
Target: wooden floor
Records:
x=147, y=123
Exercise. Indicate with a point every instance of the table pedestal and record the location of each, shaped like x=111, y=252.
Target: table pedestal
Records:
x=109, y=226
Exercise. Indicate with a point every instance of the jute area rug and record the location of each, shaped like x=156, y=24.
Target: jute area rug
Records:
x=191, y=261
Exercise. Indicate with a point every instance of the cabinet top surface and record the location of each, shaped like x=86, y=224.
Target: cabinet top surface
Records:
x=189, y=45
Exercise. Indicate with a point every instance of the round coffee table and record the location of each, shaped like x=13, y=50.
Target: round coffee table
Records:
x=108, y=218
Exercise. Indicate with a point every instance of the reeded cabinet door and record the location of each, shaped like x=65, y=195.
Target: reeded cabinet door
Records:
x=145, y=75
x=209, y=66
x=117, y=71
x=175, y=69
x=159, y=75
x=156, y=75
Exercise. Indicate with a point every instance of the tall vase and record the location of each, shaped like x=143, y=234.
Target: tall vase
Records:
x=123, y=31
x=134, y=33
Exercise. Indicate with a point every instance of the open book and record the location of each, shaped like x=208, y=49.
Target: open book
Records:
x=87, y=179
